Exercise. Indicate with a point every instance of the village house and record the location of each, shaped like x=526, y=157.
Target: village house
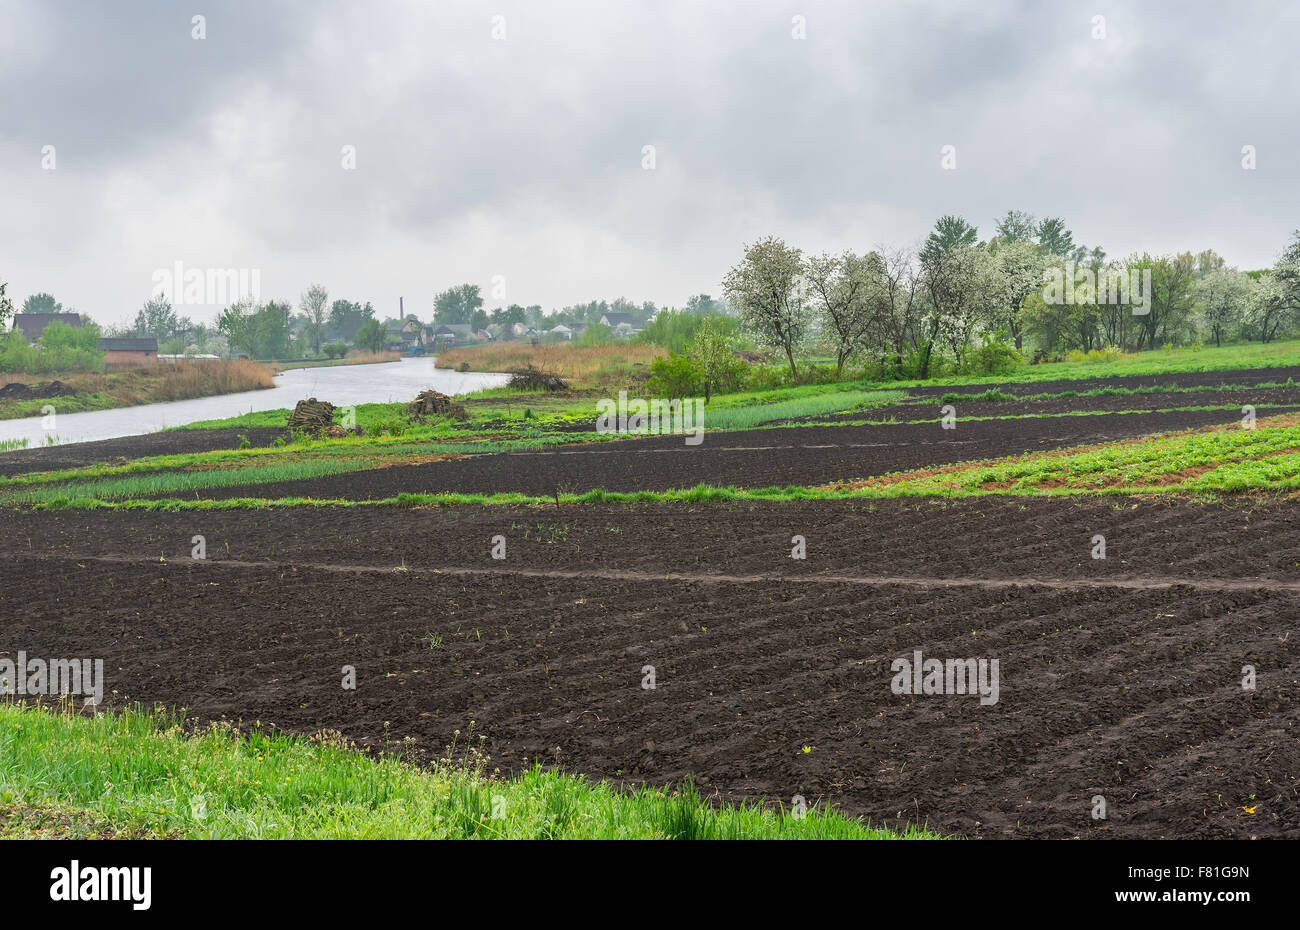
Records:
x=402, y=335
x=33, y=324
x=456, y=334
x=132, y=350
x=620, y=323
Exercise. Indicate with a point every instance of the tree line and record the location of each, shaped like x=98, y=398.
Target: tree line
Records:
x=956, y=301
x=976, y=305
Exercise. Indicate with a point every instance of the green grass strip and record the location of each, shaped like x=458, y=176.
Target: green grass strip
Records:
x=1035, y=416
x=1228, y=461
x=995, y=395
x=144, y=774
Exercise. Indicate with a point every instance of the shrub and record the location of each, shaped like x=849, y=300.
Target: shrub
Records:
x=1104, y=354
x=596, y=334
x=390, y=427
x=675, y=376
x=993, y=357
x=60, y=348
x=991, y=396
x=904, y=368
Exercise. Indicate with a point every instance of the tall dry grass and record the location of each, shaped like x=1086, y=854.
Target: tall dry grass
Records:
x=204, y=377
x=354, y=357
x=182, y=379
x=581, y=365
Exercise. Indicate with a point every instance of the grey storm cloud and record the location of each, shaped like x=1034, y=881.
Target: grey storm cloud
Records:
x=522, y=157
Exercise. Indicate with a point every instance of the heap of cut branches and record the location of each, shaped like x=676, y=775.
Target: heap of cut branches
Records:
x=311, y=416
x=534, y=379
x=432, y=403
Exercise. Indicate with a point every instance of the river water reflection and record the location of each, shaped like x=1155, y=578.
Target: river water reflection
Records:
x=384, y=382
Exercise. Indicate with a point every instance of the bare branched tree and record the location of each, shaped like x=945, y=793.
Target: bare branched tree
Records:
x=315, y=306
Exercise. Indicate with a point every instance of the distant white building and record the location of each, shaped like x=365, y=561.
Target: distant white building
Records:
x=620, y=323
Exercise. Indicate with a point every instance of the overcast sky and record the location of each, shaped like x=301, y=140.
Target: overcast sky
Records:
x=522, y=157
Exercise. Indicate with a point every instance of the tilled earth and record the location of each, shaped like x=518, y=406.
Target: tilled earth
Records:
x=795, y=455
x=116, y=451
x=1186, y=379
x=1267, y=401
x=1119, y=677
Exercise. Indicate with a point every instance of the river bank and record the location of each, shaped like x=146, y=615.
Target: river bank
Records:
x=354, y=358
x=161, y=382
x=385, y=382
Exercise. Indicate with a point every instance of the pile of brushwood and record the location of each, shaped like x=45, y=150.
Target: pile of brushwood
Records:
x=16, y=390
x=529, y=378
x=431, y=403
x=316, y=418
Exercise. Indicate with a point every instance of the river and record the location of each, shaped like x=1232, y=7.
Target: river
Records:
x=383, y=382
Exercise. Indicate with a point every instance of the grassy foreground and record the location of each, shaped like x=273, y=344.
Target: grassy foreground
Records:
x=142, y=774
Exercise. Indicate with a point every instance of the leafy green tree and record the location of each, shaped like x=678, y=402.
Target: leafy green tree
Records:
x=59, y=335
x=237, y=324
x=259, y=332
x=710, y=350
x=703, y=304
x=677, y=376
x=70, y=348
x=457, y=304
x=671, y=329
x=1054, y=238
x=371, y=336
x=1173, y=298
x=1016, y=226
x=271, y=324
x=156, y=318
x=346, y=317
x=949, y=232
x=596, y=334
x=508, y=316
x=42, y=303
